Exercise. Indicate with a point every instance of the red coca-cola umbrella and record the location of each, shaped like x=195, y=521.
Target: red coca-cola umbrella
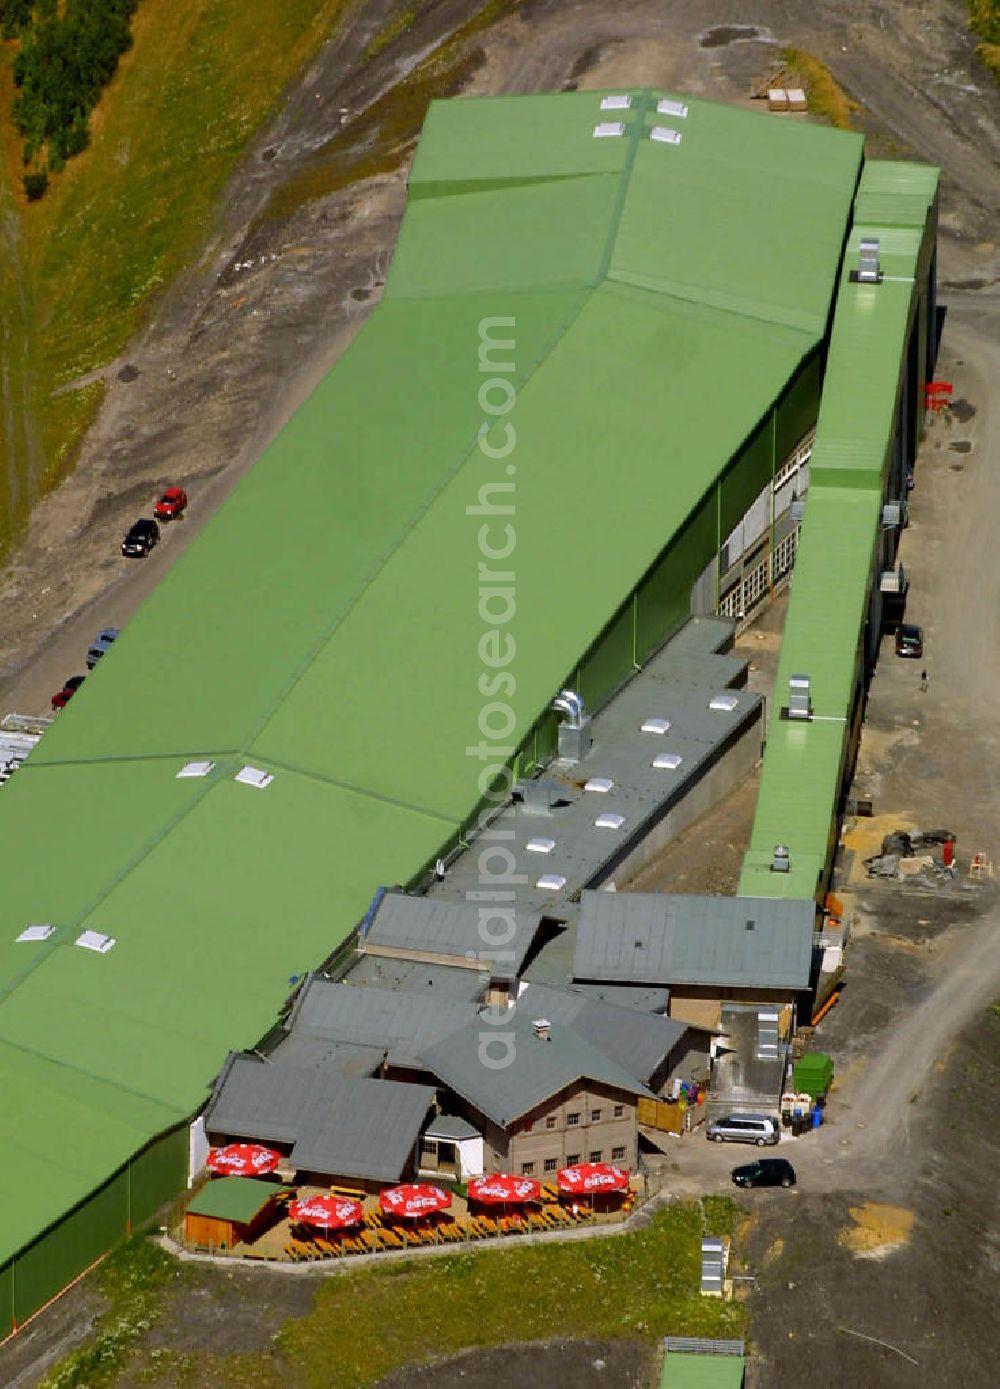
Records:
x=327, y=1212
x=243, y=1160
x=414, y=1202
x=503, y=1190
x=592, y=1178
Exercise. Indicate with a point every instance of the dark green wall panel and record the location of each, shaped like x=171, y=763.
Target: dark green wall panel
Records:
x=797, y=409
x=157, y=1175
x=47, y=1266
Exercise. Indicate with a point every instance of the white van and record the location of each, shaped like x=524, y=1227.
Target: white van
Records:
x=744, y=1128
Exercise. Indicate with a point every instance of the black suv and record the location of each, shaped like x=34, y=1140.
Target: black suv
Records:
x=909, y=640
x=141, y=538
x=765, y=1172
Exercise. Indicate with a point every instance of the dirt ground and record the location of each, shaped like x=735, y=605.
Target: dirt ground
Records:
x=554, y=1364
x=232, y=350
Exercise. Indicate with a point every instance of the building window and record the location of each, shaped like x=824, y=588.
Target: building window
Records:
x=619, y=1111
x=572, y=1159
x=527, y=1169
x=617, y=1154
x=573, y=1118
x=527, y=1126
x=550, y=1121
x=597, y=1155
x=551, y=1164
x=595, y=1116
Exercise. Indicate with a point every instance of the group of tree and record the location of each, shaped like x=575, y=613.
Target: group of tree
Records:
x=68, y=50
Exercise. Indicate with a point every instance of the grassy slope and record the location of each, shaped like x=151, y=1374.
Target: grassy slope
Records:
x=367, y=1323
x=131, y=211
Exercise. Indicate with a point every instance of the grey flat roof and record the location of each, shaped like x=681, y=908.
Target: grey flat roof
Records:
x=337, y=1123
x=398, y=1023
x=414, y=976
x=677, y=685
x=430, y=926
x=638, y=1042
x=654, y=938
x=534, y=1070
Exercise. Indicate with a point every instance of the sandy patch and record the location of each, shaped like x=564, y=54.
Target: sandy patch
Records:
x=878, y=1230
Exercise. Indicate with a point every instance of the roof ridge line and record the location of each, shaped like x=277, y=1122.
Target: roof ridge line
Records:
x=182, y=1114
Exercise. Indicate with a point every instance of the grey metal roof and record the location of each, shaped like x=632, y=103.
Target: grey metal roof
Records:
x=534, y=1072
x=677, y=685
x=428, y=926
x=639, y=1042
x=398, y=1023
x=300, y=1049
x=727, y=941
x=450, y=1126
x=337, y=1124
x=443, y=981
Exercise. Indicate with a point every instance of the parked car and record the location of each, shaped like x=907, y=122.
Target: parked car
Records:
x=909, y=640
x=141, y=538
x=100, y=645
x=171, y=504
x=63, y=696
x=765, y=1172
x=744, y=1128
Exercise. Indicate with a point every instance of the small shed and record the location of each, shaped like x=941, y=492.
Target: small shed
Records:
x=229, y=1211
x=690, y=1363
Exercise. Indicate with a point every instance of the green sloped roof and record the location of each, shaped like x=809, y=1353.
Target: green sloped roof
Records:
x=324, y=626
x=682, y=1370
x=233, y=1198
x=803, y=762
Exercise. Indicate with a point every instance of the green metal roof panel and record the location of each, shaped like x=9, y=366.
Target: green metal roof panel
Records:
x=538, y=234
x=233, y=1198
x=692, y=196
x=803, y=763
x=589, y=402
x=488, y=139
x=908, y=178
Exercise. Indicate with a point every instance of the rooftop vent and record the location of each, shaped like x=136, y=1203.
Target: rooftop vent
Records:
x=667, y=761
x=195, y=769
x=94, y=940
x=616, y=103
x=663, y=135
x=606, y=130
x=542, y=1029
x=609, y=821
x=892, y=514
x=799, y=697
x=254, y=776
x=551, y=882
x=540, y=846
x=751, y=926
x=573, y=736
x=41, y=932
x=601, y=784
x=666, y=107
x=655, y=726
x=723, y=703
x=781, y=861
x=869, y=272
x=797, y=510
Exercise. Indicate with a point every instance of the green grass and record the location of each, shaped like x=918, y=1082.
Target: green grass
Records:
x=131, y=211
x=984, y=20
x=365, y=1324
